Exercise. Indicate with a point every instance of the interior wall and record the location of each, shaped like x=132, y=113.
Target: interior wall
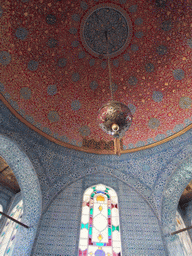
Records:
x=175, y=186
x=58, y=233
x=30, y=191
x=56, y=167
x=160, y=174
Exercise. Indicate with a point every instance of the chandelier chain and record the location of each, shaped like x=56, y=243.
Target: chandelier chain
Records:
x=109, y=66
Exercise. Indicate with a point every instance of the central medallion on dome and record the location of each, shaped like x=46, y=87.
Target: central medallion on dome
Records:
x=101, y=19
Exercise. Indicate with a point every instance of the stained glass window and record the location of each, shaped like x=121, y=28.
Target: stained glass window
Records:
x=100, y=228
x=7, y=237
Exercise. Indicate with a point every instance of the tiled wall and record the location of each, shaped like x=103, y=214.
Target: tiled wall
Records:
x=59, y=230
x=160, y=174
x=30, y=190
x=146, y=170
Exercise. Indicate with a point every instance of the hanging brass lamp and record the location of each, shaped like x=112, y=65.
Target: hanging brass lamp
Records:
x=115, y=118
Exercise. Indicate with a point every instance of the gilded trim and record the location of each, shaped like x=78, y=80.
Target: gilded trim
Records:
x=64, y=144
x=105, y=152
x=158, y=142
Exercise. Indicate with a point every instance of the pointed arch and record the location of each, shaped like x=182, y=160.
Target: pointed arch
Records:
x=30, y=191
x=100, y=228
x=171, y=195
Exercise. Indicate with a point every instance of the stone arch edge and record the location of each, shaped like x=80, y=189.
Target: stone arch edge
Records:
x=127, y=179
x=171, y=195
x=30, y=191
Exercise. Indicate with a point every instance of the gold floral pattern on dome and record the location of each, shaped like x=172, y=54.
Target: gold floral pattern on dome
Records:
x=55, y=84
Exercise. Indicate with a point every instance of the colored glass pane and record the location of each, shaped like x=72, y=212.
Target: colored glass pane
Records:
x=100, y=198
x=115, y=228
x=84, y=226
x=101, y=219
x=94, y=189
x=99, y=253
x=99, y=244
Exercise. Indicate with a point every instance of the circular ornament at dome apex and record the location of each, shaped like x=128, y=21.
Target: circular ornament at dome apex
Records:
x=102, y=20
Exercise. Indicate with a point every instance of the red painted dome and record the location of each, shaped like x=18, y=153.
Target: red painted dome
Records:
x=54, y=73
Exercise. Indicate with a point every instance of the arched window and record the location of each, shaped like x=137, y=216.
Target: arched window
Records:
x=100, y=228
x=7, y=238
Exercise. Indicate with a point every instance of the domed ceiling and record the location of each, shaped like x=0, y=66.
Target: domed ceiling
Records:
x=55, y=78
